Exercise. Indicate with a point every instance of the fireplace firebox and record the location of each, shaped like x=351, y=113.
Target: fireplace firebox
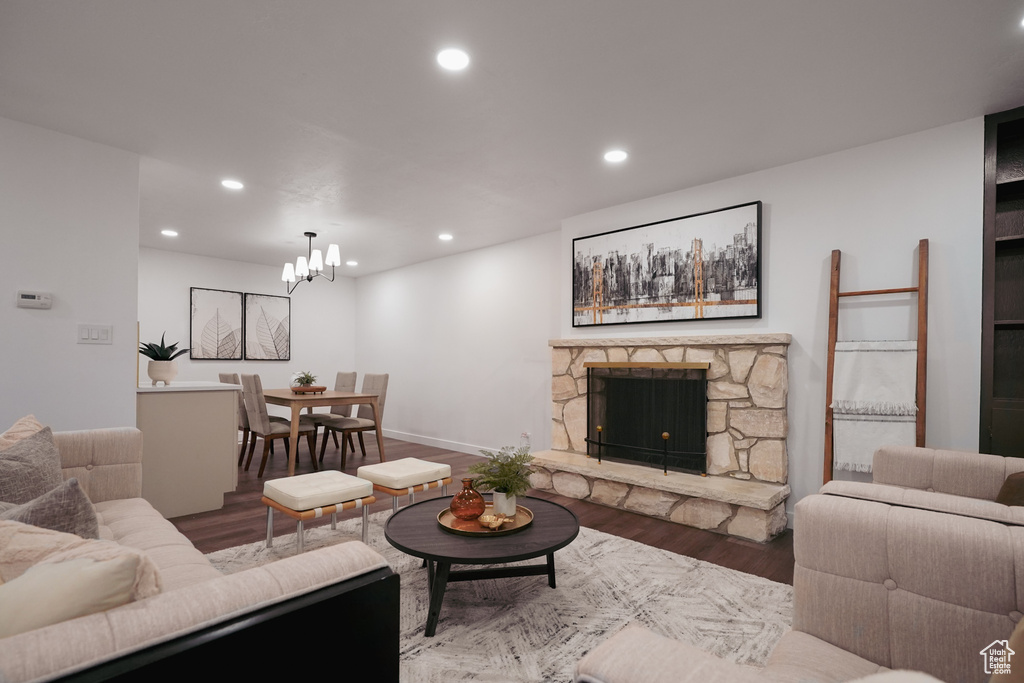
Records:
x=648, y=413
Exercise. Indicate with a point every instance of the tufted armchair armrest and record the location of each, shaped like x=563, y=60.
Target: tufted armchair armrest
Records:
x=959, y=473
x=106, y=462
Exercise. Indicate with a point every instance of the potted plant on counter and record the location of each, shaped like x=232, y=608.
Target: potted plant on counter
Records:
x=161, y=366
x=507, y=474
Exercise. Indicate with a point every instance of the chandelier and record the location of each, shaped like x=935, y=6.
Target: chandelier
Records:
x=311, y=265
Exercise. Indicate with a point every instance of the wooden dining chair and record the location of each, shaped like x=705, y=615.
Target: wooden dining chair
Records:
x=243, y=417
x=261, y=425
x=372, y=384
x=345, y=381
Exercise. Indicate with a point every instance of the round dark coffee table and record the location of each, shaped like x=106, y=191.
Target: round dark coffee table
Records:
x=414, y=530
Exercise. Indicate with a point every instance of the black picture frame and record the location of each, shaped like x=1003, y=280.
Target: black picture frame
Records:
x=268, y=334
x=650, y=272
x=215, y=324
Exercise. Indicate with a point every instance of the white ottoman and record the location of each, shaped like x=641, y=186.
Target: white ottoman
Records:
x=405, y=477
x=309, y=496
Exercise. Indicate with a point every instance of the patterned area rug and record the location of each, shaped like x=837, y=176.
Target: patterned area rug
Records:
x=519, y=629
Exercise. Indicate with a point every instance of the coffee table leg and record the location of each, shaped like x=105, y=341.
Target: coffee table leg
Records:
x=437, y=588
x=551, y=569
x=430, y=572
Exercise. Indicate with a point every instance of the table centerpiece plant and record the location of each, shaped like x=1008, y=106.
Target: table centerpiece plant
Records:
x=161, y=366
x=507, y=474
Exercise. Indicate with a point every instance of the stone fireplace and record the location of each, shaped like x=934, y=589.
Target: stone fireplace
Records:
x=745, y=489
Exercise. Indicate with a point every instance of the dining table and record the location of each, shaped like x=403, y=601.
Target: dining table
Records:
x=298, y=401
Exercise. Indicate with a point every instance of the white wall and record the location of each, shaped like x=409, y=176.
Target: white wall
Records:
x=322, y=316
x=873, y=203
x=69, y=215
x=465, y=341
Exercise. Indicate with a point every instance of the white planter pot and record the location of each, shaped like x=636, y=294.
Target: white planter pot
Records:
x=162, y=371
x=504, y=504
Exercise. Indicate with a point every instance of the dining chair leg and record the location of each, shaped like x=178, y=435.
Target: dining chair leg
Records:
x=311, y=441
x=335, y=435
x=252, y=447
x=351, y=443
x=245, y=442
x=362, y=446
x=323, y=446
x=266, y=452
x=344, y=451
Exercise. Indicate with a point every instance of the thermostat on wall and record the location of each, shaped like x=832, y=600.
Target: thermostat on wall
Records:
x=27, y=299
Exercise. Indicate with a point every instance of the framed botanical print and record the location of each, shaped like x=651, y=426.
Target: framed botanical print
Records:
x=215, y=329
x=267, y=327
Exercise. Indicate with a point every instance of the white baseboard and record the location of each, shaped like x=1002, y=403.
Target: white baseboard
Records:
x=436, y=443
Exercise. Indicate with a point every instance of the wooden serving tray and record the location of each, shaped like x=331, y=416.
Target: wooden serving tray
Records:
x=311, y=389
x=471, y=527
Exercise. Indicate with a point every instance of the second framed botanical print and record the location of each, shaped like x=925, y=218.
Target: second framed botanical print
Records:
x=267, y=327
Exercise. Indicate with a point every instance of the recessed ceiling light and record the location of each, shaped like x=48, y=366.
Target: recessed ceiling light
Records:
x=444, y=237
x=351, y=263
x=169, y=233
x=615, y=156
x=453, y=59
x=232, y=184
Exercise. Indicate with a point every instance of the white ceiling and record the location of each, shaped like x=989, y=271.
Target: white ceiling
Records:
x=338, y=120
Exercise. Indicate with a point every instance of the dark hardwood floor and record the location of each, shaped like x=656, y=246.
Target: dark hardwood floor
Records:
x=243, y=518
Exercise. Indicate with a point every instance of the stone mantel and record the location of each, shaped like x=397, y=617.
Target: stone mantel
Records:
x=696, y=340
x=747, y=429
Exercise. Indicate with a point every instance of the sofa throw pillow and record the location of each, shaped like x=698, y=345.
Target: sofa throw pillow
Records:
x=25, y=427
x=66, y=508
x=29, y=468
x=23, y=546
x=1012, y=491
x=51, y=593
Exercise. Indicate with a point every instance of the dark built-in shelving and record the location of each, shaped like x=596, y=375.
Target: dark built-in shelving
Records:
x=1002, y=333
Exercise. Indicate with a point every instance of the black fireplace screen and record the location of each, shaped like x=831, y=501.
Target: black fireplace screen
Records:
x=636, y=407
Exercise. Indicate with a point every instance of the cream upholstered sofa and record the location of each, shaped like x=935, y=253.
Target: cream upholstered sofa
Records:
x=202, y=622
x=876, y=586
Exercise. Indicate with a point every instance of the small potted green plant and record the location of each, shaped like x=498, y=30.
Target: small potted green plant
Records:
x=303, y=379
x=302, y=383
x=161, y=366
x=507, y=474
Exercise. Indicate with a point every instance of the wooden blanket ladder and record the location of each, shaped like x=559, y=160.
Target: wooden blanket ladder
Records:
x=922, y=345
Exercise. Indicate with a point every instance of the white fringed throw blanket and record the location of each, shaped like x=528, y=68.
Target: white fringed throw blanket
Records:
x=873, y=400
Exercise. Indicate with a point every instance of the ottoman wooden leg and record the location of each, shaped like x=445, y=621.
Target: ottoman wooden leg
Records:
x=270, y=527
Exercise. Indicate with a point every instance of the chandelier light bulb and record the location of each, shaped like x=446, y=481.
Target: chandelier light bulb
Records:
x=333, y=256
x=316, y=261
x=289, y=273
x=301, y=267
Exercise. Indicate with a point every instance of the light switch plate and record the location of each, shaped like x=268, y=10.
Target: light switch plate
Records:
x=95, y=334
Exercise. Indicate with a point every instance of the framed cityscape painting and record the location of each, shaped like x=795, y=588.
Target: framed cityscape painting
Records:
x=697, y=267
x=215, y=328
x=267, y=327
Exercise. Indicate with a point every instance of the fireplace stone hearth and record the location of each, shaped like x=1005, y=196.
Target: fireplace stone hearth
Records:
x=746, y=434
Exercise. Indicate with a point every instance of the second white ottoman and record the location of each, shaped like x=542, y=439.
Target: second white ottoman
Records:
x=405, y=477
